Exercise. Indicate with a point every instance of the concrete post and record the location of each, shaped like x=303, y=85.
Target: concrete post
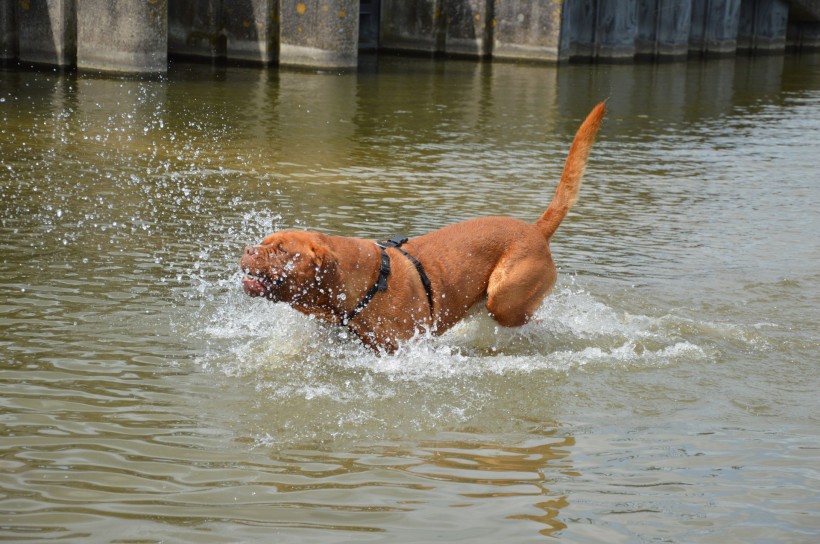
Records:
x=663, y=28
x=251, y=29
x=527, y=30
x=122, y=36
x=617, y=28
x=468, y=27
x=762, y=26
x=47, y=32
x=8, y=32
x=714, y=27
x=411, y=25
x=319, y=33
x=195, y=29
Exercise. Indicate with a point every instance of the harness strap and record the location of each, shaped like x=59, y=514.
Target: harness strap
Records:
x=384, y=271
x=396, y=242
x=380, y=285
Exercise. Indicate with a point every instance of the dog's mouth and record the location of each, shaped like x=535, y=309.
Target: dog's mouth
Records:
x=260, y=286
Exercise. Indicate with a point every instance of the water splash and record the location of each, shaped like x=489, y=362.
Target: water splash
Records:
x=311, y=382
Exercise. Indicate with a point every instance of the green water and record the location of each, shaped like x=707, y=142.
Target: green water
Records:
x=667, y=391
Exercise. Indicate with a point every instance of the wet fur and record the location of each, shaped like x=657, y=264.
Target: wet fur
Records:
x=502, y=260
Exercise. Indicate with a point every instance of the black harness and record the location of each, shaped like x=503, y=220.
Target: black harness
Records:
x=384, y=271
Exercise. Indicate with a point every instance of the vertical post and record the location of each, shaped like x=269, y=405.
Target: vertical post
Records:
x=527, y=30
x=47, y=32
x=319, y=33
x=122, y=36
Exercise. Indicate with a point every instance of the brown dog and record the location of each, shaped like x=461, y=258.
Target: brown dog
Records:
x=386, y=294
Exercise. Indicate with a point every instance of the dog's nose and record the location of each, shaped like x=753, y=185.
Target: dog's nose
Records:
x=250, y=251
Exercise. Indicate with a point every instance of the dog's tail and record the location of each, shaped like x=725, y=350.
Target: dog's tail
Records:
x=567, y=192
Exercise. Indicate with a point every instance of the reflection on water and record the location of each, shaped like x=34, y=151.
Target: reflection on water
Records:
x=665, y=391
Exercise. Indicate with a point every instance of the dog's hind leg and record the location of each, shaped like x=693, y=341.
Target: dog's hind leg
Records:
x=516, y=289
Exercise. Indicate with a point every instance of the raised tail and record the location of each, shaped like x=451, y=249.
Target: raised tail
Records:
x=567, y=191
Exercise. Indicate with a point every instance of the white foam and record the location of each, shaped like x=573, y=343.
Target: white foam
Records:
x=572, y=329
x=313, y=382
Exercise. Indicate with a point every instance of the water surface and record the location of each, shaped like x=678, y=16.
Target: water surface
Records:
x=666, y=391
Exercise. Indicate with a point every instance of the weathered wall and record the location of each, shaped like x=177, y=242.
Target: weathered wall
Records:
x=319, y=33
x=122, y=36
x=196, y=29
x=467, y=27
x=663, y=28
x=138, y=35
x=251, y=30
x=714, y=27
x=47, y=32
x=236, y=30
x=8, y=31
x=803, y=35
x=616, y=29
x=411, y=25
x=454, y=27
x=527, y=30
x=762, y=25
x=578, y=33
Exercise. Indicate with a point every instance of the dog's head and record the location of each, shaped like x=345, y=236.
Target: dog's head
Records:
x=288, y=266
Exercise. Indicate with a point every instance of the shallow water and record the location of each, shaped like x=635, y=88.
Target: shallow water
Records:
x=666, y=391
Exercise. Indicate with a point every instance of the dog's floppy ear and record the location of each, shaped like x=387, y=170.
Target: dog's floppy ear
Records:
x=320, y=254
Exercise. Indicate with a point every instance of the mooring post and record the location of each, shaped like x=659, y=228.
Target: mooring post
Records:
x=319, y=34
x=122, y=36
x=47, y=32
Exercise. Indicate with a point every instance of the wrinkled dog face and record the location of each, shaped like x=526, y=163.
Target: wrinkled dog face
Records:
x=286, y=266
